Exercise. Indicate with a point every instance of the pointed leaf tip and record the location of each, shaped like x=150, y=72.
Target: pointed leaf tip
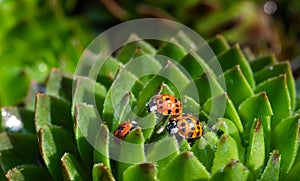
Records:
x=271, y=171
x=28, y=172
x=102, y=172
x=234, y=170
x=232, y=163
x=227, y=150
x=258, y=125
x=144, y=171
x=147, y=167
x=72, y=169
x=184, y=167
x=275, y=156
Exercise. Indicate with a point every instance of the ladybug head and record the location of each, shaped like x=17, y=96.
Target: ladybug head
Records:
x=172, y=127
x=152, y=107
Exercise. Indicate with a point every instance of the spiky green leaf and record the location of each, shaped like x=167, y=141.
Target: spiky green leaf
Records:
x=172, y=50
x=54, y=142
x=144, y=171
x=237, y=86
x=162, y=159
x=101, y=151
x=108, y=71
x=261, y=62
x=72, y=169
x=120, y=87
x=28, y=172
x=194, y=64
x=294, y=172
x=229, y=128
x=122, y=111
x=184, y=167
x=275, y=70
x=281, y=105
x=86, y=128
x=102, y=172
x=271, y=171
x=59, y=85
x=255, y=157
x=205, y=148
x=88, y=91
x=234, y=170
x=14, y=150
x=285, y=138
x=231, y=58
x=52, y=111
x=226, y=151
x=133, y=143
x=257, y=106
x=129, y=49
x=222, y=107
x=203, y=88
x=147, y=124
x=219, y=44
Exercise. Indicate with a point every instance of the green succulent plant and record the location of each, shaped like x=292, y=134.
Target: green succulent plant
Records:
x=258, y=137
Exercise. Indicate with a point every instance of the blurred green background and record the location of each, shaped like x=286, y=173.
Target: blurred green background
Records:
x=37, y=35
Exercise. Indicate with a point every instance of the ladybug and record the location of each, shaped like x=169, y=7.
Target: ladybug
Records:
x=124, y=128
x=185, y=125
x=165, y=104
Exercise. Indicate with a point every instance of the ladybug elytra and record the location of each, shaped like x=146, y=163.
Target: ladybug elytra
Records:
x=165, y=104
x=124, y=128
x=186, y=125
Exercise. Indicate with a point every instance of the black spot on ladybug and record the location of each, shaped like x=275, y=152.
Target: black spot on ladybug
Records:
x=161, y=107
x=120, y=128
x=198, y=127
x=190, y=134
x=193, y=128
x=182, y=124
x=175, y=101
x=169, y=111
x=177, y=105
x=188, y=120
x=167, y=98
x=198, y=133
x=177, y=110
x=160, y=102
x=183, y=130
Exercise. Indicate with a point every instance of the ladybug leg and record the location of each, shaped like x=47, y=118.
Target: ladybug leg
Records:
x=191, y=141
x=160, y=88
x=216, y=129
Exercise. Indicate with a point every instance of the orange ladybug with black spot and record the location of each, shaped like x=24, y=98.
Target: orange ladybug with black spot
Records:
x=185, y=125
x=165, y=104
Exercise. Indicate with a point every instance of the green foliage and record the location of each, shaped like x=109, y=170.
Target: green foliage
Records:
x=34, y=37
x=143, y=171
x=254, y=137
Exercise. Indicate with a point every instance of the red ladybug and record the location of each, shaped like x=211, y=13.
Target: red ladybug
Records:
x=124, y=128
